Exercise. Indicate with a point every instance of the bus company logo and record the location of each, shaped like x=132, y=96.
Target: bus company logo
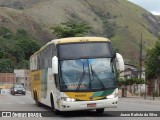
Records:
x=91, y=97
x=6, y=114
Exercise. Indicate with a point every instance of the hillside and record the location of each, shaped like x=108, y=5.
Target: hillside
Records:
x=120, y=20
x=130, y=21
x=19, y=4
x=15, y=19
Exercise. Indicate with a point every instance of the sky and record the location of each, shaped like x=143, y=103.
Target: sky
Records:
x=151, y=5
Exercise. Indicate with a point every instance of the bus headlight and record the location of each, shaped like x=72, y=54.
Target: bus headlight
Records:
x=68, y=99
x=112, y=96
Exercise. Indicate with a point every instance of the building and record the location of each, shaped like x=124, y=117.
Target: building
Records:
x=7, y=80
x=132, y=71
x=22, y=77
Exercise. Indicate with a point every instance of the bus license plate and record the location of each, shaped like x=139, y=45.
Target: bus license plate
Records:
x=91, y=105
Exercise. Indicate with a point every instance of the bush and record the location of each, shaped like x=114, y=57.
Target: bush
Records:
x=6, y=65
x=131, y=81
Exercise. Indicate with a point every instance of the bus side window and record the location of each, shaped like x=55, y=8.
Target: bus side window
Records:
x=39, y=62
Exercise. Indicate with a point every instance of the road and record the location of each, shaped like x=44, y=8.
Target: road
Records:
x=25, y=103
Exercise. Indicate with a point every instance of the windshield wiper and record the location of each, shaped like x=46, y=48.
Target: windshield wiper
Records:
x=90, y=85
x=81, y=79
x=112, y=64
x=95, y=74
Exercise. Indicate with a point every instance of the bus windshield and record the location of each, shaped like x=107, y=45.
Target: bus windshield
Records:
x=87, y=74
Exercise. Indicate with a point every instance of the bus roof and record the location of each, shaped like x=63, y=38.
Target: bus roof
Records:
x=74, y=40
x=79, y=39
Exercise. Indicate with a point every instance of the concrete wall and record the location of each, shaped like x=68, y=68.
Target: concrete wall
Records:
x=7, y=78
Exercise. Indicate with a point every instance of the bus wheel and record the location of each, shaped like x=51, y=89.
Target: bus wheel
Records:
x=100, y=110
x=56, y=112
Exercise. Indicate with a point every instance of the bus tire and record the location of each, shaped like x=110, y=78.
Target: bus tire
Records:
x=101, y=110
x=36, y=100
x=34, y=95
x=56, y=112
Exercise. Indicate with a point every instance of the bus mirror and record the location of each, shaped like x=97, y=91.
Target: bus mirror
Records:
x=120, y=62
x=55, y=65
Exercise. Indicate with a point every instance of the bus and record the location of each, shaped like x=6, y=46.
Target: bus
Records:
x=77, y=73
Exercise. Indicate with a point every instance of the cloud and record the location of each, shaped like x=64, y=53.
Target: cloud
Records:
x=151, y=5
x=155, y=13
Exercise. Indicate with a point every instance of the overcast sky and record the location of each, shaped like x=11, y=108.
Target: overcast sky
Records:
x=151, y=5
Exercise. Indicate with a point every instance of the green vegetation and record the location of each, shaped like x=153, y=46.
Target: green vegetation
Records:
x=130, y=81
x=152, y=61
x=15, y=49
x=108, y=21
x=119, y=20
x=6, y=65
x=71, y=29
x=109, y=29
x=5, y=33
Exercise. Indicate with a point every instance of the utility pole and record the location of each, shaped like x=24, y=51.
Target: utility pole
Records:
x=140, y=62
x=140, y=58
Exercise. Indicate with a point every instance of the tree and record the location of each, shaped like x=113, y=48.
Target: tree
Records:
x=71, y=29
x=23, y=64
x=16, y=48
x=27, y=47
x=18, y=52
x=1, y=54
x=6, y=65
x=153, y=61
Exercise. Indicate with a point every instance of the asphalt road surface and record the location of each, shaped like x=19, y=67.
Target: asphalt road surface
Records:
x=21, y=103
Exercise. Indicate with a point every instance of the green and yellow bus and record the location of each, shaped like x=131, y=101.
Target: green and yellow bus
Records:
x=77, y=73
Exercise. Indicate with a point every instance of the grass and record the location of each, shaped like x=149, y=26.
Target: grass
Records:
x=128, y=18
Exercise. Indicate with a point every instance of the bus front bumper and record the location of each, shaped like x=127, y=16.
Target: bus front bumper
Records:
x=88, y=105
